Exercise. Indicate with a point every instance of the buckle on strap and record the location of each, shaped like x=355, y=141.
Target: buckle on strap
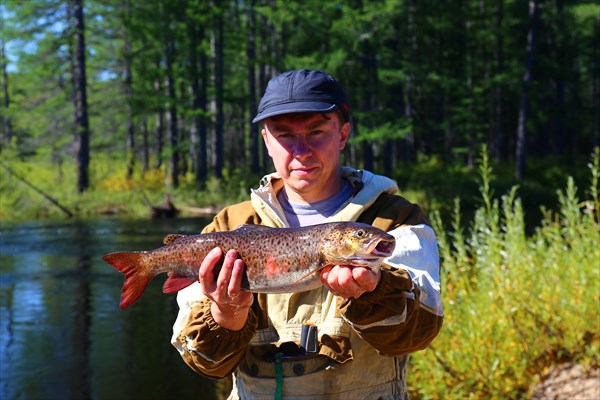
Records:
x=309, y=339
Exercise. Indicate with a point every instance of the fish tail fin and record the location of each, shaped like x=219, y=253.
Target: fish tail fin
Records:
x=137, y=274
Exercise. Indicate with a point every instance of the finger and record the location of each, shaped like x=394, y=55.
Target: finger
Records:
x=324, y=274
x=332, y=281
x=247, y=299
x=239, y=297
x=225, y=274
x=366, y=278
x=345, y=277
x=206, y=274
x=235, y=283
x=348, y=287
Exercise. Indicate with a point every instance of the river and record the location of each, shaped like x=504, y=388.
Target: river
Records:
x=62, y=334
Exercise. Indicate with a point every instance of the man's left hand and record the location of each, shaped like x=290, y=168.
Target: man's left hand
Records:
x=348, y=281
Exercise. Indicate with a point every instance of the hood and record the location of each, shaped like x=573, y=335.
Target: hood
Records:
x=366, y=187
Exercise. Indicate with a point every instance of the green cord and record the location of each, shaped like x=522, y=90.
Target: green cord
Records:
x=278, y=376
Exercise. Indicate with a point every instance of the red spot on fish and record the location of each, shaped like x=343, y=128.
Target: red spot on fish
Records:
x=272, y=268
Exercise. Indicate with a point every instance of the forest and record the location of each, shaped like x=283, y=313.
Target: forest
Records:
x=172, y=86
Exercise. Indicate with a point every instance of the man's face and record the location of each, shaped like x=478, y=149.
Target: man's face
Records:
x=305, y=149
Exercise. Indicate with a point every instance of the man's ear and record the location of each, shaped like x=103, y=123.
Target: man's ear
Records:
x=263, y=132
x=344, y=134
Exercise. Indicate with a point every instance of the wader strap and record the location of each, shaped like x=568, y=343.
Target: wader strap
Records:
x=278, y=376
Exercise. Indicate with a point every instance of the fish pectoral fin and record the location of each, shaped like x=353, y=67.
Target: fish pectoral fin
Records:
x=172, y=237
x=252, y=227
x=176, y=282
x=309, y=274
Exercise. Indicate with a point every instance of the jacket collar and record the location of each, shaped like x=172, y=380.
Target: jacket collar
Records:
x=366, y=187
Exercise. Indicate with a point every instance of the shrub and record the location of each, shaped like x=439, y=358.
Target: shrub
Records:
x=514, y=303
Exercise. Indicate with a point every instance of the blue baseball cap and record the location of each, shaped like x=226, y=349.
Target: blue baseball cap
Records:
x=302, y=91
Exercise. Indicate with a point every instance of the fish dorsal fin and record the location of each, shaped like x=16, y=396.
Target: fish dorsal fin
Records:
x=170, y=238
x=252, y=227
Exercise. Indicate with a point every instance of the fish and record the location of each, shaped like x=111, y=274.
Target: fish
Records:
x=277, y=260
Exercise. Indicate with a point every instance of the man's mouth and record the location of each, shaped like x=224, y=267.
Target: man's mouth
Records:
x=304, y=170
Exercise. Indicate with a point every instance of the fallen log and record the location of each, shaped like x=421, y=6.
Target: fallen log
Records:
x=203, y=211
x=51, y=199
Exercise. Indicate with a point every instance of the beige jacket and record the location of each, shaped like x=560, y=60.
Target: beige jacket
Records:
x=363, y=344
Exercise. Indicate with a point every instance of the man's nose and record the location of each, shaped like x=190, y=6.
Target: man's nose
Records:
x=301, y=147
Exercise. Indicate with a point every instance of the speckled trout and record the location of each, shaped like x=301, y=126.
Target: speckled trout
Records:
x=277, y=260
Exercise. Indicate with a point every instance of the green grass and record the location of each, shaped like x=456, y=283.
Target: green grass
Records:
x=110, y=193
x=514, y=303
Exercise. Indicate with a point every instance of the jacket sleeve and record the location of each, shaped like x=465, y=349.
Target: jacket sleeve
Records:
x=404, y=313
x=206, y=347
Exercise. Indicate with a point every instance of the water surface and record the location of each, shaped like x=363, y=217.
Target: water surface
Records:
x=62, y=334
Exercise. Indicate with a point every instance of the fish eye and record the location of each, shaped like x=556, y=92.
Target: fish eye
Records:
x=361, y=233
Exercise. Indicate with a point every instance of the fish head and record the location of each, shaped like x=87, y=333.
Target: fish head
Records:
x=357, y=244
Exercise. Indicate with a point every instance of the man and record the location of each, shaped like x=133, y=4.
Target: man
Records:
x=349, y=338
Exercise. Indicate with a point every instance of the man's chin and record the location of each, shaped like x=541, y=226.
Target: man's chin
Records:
x=301, y=187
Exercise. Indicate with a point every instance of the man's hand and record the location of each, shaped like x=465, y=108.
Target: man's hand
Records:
x=347, y=281
x=230, y=304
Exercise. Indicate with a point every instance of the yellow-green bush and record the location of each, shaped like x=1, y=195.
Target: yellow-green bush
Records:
x=514, y=303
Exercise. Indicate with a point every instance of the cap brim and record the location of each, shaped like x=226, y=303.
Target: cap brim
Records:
x=297, y=107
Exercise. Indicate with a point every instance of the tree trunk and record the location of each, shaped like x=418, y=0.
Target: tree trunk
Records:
x=263, y=77
x=181, y=157
x=251, y=54
x=558, y=114
x=471, y=134
x=203, y=128
x=217, y=103
x=499, y=147
x=388, y=157
x=197, y=119
x=160, y=118
x=6, y=136
x=172, y=112
x=80, y=99
x=130, y=146
x=369, y=66
x=596, y=89
x=408, y=108
x=393, y=149
x=145, y=144
x=521, y=148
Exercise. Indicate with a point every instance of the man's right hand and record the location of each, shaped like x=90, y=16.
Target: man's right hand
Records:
x=230, y=304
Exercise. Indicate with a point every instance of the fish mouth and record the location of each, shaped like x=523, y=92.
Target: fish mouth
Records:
x=381, y=247
x=376, y=250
